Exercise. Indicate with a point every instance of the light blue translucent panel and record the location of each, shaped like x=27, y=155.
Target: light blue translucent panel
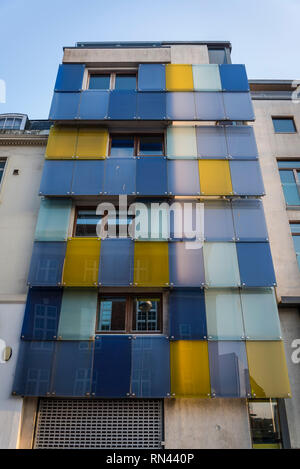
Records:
x=186, y=264
x=183, y=177
x=151, y=175
x=57, y=178
x=234, y=77
x=238, y=106
x=69, y=77
x=151, y=106
x=218, y=221
x=151, y=77
x=187, y=314
x=78, y=314
x=65, y=106
x=72, y=369
x=181, y=106
x=53, y=220
x=120, y=176
x=152, y=221
x=211, y=142
x=229, y=373
x=206, y=78
x=221, y=265
x=224, y=314
x=33, y=372
x=150, y=375
x=241, y=142
x=88, y=177
x=47, y=263
x=256, y=265
x=249, y=220
x=122, y=105
x=181, y=142
x=260, y=314
x=246, y=178
x=209, y=106
x=94, y=104
x=116, y=262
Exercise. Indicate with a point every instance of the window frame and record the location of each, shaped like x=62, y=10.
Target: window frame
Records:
x=136, y=148
x=295, y=222
x=284, y=118
x=113, y=74
x=2, y=172
x=295, y=174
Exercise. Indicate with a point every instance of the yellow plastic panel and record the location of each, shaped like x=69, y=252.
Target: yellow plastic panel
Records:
x=190, y=369
x=268, y=370
x=61, y=143
x=179, y=77
x=151, y=264
x=92, y=143
x=215, y=177
x=82, y=262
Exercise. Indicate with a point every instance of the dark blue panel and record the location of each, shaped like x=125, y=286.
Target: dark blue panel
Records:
x=152, y=77
x=246, y=178
x=151, y=106
x=72, y=368
x=33, y=372
x=241, y=142
x=256, y=265
x=122, y=105
x=41, y=314
x=209, y=106
x=57, y=178
x=238, y=106
x=151, y=175
x=112, y=366
x=116, y=262
x=218, y=221
x=88, y=177
x=187, y=315
x=69, y=77
x=65, y=106
x=47, y=263
x=150, y=367
x=234, y=78
x=120, y=176
x=249, y=220
x=186, y=264
x=93, y=104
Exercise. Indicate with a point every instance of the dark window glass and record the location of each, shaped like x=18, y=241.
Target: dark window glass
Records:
x=284, y=125
x=17, y=123
x=151, y=145
x=146, y=314
x=122, y=146
x=2, y=123
x=217, y=56
x=125, y=82
x=264, y=421
x=87, y=220
x=99, y=82
x=112, y=314
x=86, y=223
x=2, y=166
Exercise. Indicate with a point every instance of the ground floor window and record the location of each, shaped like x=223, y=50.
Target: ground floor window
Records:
x=265, y=424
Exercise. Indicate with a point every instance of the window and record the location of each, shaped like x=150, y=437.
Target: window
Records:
x=124, y=146
x=265, y=425
x=218, y=56
x=2, y=167
x=129, y=314
x=86, y=222
x=10, y=123
x=283, y=125
x=290, y=178
x=295, y=229
x=112, y=81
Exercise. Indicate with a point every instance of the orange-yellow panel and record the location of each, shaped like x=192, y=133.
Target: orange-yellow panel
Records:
x=151, y=264
x=190, y=368
x=215, y=177
x=179, y=77
x=61, y=143
x=92, y=143
x=82, y=262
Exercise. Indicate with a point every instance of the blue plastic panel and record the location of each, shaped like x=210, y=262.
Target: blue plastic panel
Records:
x=249, y=220
x=181, y=106
x=238, y=106
x=112, y=366
x=122, y=105
x=94, y=104
x=72, y=369
x=183, y=177
x=241, y=142
x=255, y=263
x=218, y=221
x=229, y=374
x=151, y=106
x=53, y=220
x=116, y=262
x=47, y=263
x=120, y=174
x=69, y=77
x=152, y=77
x=246, y=178
x=41, y=314
x=186, y=264
x=64, y=106
x=151, y=175
x=234, y=78
x=33, y=372
x=57, y=178
x=186, y=219
x=187, y=315
x=88, y=177
x=150, y=367
x=209, y=106
x=211, y=142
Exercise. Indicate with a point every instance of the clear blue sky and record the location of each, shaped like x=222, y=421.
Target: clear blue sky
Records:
x=264, y=35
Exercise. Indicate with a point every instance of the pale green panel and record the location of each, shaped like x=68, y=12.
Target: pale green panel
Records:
x=206, y=78
x=181, y=142
x=53, y=220
x=221, y=265
x=152, y=221
x=78, y=314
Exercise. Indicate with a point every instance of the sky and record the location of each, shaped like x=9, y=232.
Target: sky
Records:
x=264, y=35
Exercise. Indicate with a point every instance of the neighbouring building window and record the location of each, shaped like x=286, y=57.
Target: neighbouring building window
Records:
x=7, y=123
x=123, y=146
x=2, y=167
x=218, y=56
x=129, y=314
x=289, y=171
x=295, y=229
x=112, y=81
x=86, y=221
x=284, y=125
x=265, y=424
